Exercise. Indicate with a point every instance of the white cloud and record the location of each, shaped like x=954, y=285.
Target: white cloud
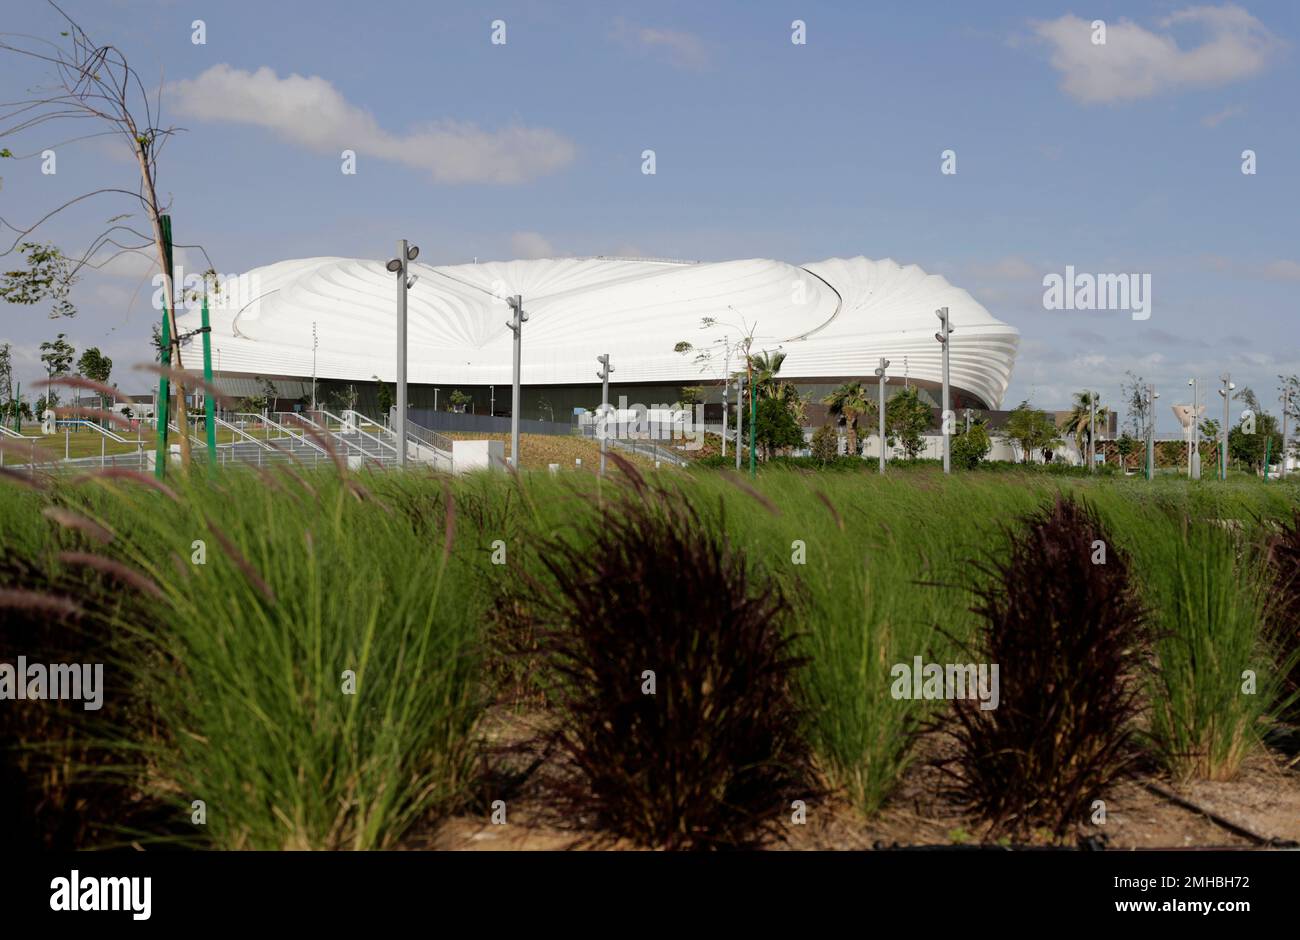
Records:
x=1136, y=62
x=1283, y=270
x=683, y=50
x=529, y=245
x=1011, y=268
x=1218, y=117
x=310, y=111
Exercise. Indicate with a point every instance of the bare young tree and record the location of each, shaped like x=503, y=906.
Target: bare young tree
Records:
x=94, y=84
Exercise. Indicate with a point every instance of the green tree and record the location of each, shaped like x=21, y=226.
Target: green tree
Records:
x=1134, y=393
x=458, y=401
x=691, y=395
x=1079, y=425
x=6, y=375
x=57, y=356
x=776, y=427
x=825, y=443
x=764, y=367
x=344, y=398
x=1031, y=429
x=907, y=418
x=970, y=447
x=1247, y=397
x=384, y=395
x=1126, y=447
x=1250, y=449
x=93, y=364
x=849, y=403
x=49, y=275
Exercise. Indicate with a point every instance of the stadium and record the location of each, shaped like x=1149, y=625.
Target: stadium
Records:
x=333, y=320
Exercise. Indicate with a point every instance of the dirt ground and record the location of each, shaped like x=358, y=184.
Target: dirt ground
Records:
x=1146, y=812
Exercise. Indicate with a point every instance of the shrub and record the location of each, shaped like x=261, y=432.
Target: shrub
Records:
x=825, y=444
x=971, y=447
x=1065, y=632
x=1209, y=594
x=714, y=755
x=1285, y=626
x=59, y=789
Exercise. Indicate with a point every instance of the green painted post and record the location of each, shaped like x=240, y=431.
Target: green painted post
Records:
x=164, y=385
x=164, y=391
x=209, y=406
x=753, y=419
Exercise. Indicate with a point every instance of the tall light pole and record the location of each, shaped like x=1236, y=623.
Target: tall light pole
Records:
x=492, y=400
x=1286, y=413
x=314, y=344
x=726, y=381
x=740, y=414
x=1152, y=395
x=1193, y=451
x=603, y=375
x=1092, y=432
x=753, y=414
x=881, y=379
x=400, y=266
x=516, y=325
x=1225, y=393
x=945, y=331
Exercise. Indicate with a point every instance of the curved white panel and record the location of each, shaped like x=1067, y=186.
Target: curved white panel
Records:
x=833, y=319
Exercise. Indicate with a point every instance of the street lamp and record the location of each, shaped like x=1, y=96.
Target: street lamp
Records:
x=1286, y=413
x=881, y=379
x=1092, y=432
x=945, y=331
x=314, y=344
x=1225, y=393
x=740, y=414
x=400, y=266
x=603, y=375
x=516, y=325
x=1193, y=452
x=1152, y=395
x=726, y=381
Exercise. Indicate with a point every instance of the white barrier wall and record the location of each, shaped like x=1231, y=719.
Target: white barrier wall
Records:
x=469, y=456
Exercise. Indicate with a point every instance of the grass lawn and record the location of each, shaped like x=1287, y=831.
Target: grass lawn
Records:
x=364, y=648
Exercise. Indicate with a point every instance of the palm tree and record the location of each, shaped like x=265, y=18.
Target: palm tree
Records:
x=763, y=367
x=1078, y=424
x=1032, y=429
x=850, y=402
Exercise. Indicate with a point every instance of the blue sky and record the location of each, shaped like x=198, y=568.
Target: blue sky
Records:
x=1129, y=162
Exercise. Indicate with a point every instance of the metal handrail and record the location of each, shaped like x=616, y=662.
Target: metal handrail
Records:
x=356, y=430
x=104, y=431
x=222, y=423
x=299, y=436
x=422, y=435
x=194, y=441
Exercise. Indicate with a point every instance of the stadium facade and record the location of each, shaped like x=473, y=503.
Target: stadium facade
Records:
x=833, y=319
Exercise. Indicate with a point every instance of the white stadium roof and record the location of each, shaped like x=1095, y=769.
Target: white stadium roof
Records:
x=832, y=318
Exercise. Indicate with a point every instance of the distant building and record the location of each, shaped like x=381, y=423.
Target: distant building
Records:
x=833, y=319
